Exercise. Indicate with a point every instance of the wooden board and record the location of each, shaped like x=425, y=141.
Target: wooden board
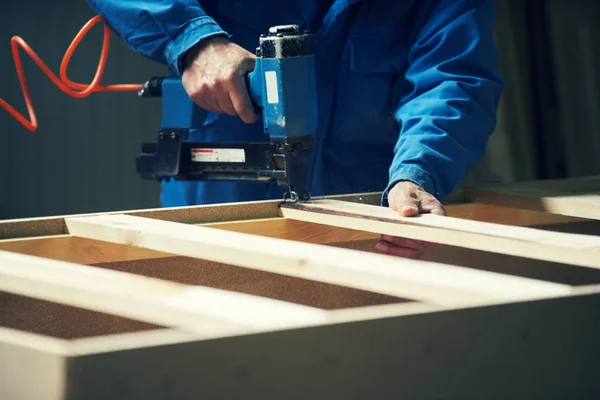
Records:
x=572, y=197
x=428, y=282
x=263, y=300
x=583, y=250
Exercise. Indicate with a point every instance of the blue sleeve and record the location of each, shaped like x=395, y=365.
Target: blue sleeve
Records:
x=160, y=30
x=450, y=113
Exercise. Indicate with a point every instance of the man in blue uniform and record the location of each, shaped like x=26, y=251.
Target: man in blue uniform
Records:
x=407, y=90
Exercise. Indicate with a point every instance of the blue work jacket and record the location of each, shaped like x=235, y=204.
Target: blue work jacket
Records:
x=407, y=89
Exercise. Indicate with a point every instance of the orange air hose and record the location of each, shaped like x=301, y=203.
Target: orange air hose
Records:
x=73, y=89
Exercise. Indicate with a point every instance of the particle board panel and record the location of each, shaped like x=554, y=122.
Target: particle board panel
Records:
x=149, y=300
x=565, y=274
x=200, y=214
x=194, y=271
x=48, y=226
x=61, y=321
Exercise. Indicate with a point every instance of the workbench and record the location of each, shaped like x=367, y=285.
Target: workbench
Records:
x=271, y=300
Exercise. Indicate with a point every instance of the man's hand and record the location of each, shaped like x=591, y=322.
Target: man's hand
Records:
x=214, y=77
x=409, y=200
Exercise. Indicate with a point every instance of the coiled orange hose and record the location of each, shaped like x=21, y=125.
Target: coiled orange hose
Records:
x=73, y=89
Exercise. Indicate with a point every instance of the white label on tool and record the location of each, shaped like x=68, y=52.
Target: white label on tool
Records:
x=219, y=155
x=272, y=90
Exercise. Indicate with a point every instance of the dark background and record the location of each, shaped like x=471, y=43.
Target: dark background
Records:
x=82, y=158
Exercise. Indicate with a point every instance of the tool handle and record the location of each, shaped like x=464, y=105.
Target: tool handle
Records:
x=254, y=84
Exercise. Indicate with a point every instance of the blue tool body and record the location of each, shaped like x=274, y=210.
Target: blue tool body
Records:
x=282, y=87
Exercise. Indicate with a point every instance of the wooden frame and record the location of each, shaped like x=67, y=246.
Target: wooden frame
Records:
x=264, y=299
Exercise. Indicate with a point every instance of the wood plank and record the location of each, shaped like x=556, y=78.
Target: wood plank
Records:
x=537, y=346
x=432, y=283
x=566, y=248
x=577, y=197
x=202, y=310
x=129, y=341
x=167, y=337
x=87, y=251
x=508, y=215
x=33, y=367
x=582, y=184
x=579, y=205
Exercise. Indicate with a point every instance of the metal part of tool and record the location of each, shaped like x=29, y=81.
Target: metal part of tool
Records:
x=282, y=87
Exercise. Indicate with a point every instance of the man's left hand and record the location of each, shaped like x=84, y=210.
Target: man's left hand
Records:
x=409, y=200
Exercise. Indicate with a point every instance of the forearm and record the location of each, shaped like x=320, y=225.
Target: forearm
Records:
x=444, y=134
x=162, y=31
x=446, y=123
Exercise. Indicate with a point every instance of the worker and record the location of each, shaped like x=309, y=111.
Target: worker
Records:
x=407, y=90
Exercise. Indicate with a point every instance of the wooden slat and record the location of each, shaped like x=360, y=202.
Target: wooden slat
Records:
x=574, y=249
x=433, y=283
x=32, y=366
x=508, y=215
x=87, y=251
x=580, y=205
x=208, y=311
x=583, y=184
x=546, y=350
x=578, y=197
x=166, y=337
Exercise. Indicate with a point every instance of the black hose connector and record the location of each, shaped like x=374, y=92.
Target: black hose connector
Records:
x=152, y=88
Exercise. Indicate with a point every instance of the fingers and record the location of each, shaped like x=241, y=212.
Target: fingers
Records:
x=241, y=102
x=402, y=242
x=228, y=96
x=223, y=97
x=406, y=202
x=429, y=204
x=203, y=97
x=214, y=78
x=398, y=251
x=410, y=200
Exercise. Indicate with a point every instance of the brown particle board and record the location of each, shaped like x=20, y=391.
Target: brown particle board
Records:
x=193, y=271
x=485, y=261
x=61, y=321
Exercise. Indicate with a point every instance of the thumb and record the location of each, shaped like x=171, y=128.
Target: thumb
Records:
x=406, y=202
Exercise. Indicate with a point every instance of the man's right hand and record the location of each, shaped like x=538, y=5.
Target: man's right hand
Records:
x=214, y=74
